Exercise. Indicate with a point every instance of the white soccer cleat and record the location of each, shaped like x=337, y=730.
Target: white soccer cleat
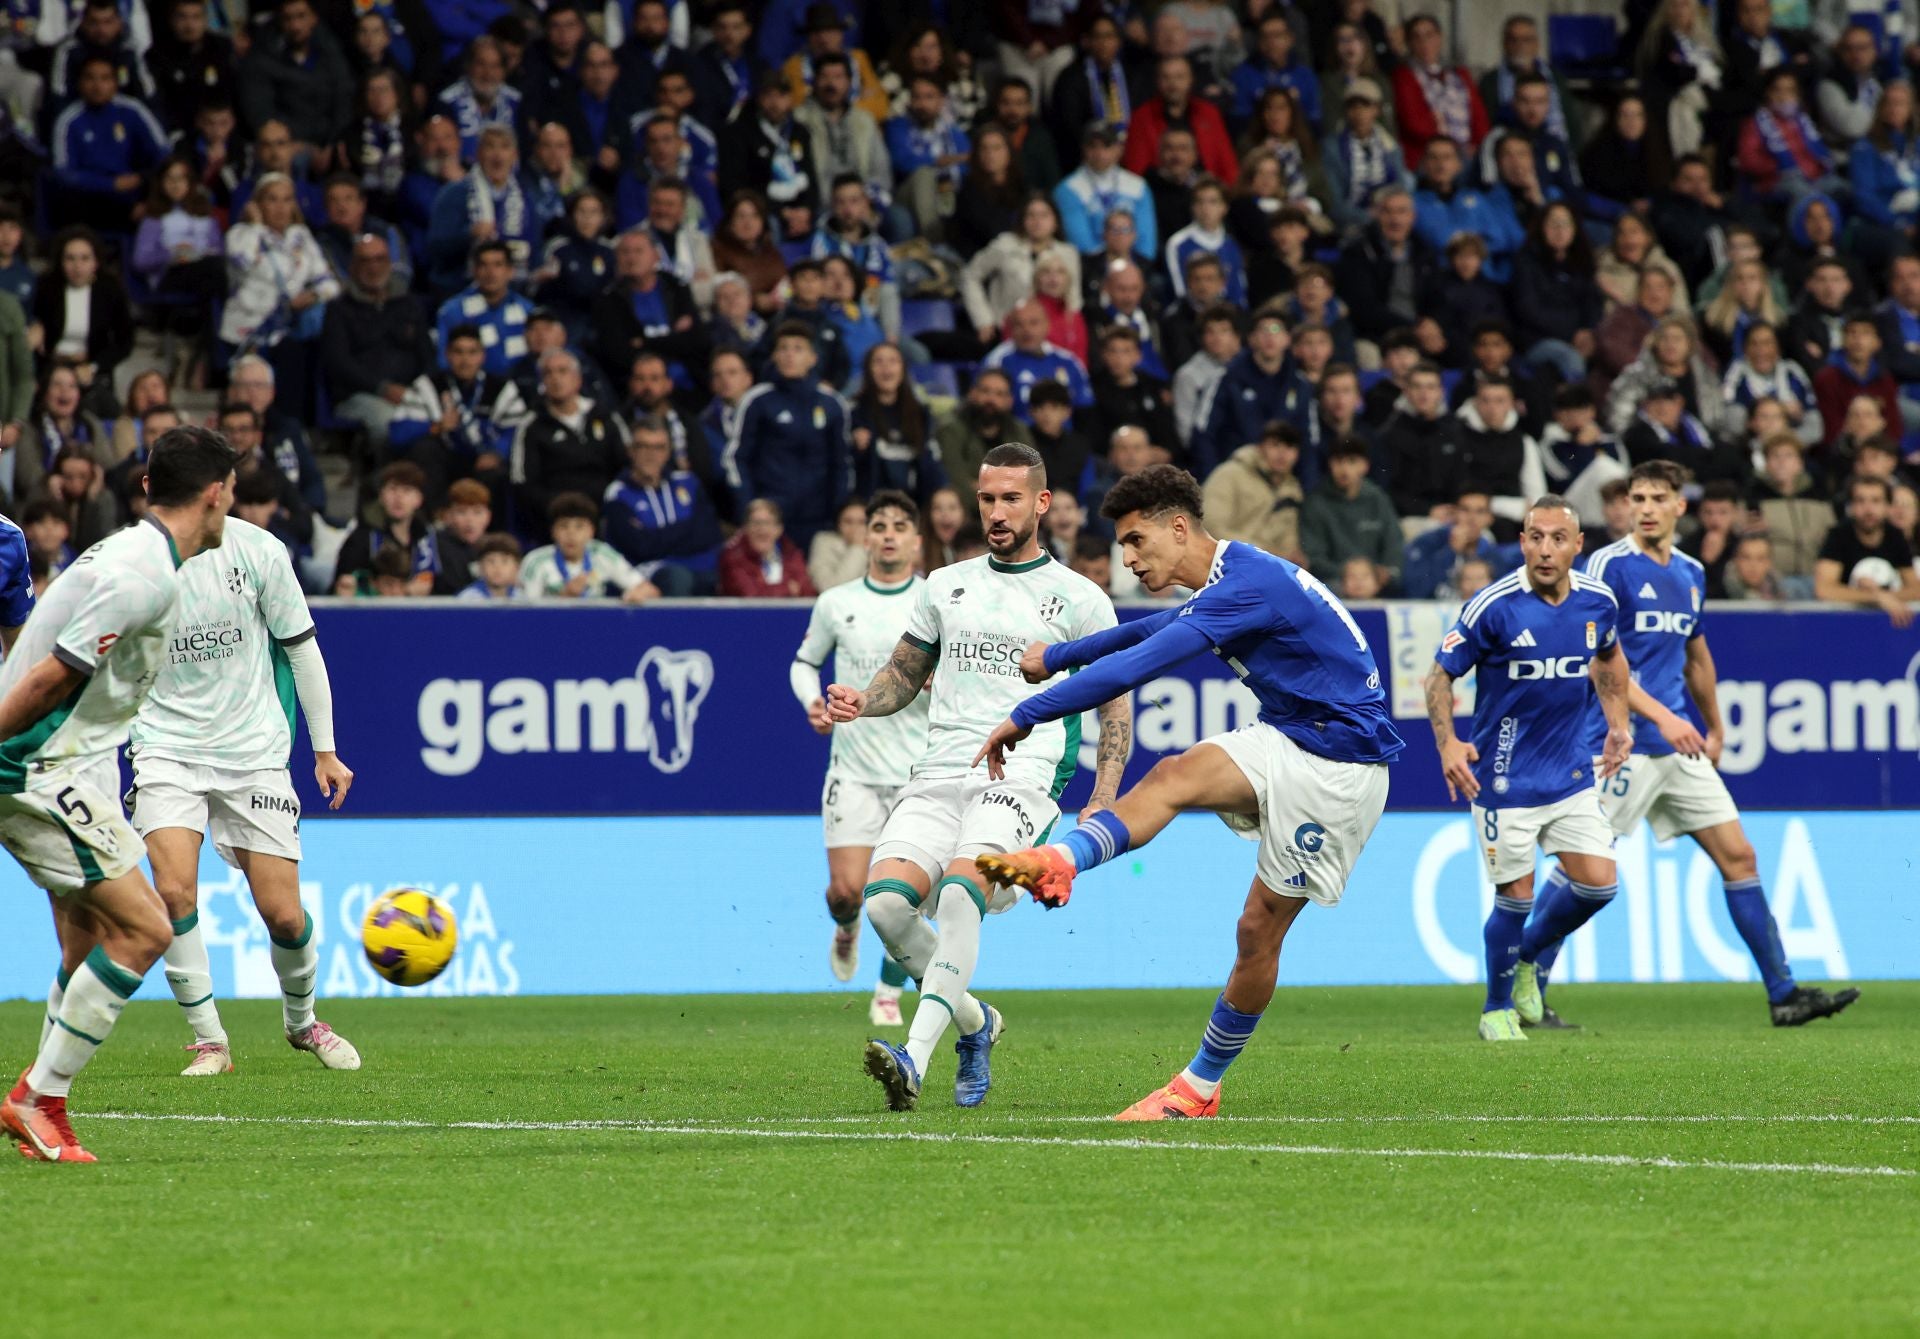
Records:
x=209, y=1058
x=844, y=956
x=884, y=1011
x=327, y=1046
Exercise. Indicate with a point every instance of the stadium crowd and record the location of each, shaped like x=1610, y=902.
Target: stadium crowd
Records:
x=641, y=299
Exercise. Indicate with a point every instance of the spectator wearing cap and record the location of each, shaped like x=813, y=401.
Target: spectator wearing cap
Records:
x=789, y=440
x=1027, y=357
x=1255, y=495
x=1174, y=104
x=298, y=75
x=1361, y=159
x=374, y=343
x=826, y=35
x=491, y=305
x=1260, y=386
x=457, y=422
x=401, y=500
x=1098, y=188
x=659, y=518
x=766, y=150
x=568, y=445
x=1432, y=99
x=488, y=205
x=102, y=144
x=1349, y=516
x=783, y=24
x=1381, y=273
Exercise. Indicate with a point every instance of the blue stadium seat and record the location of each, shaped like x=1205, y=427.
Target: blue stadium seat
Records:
x=937, y=378
x=1585, y=46
x=1368, y=380
x=919, y=315
x=1449, y=379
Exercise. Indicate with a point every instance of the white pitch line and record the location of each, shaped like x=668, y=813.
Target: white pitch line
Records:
x=1034, y=1141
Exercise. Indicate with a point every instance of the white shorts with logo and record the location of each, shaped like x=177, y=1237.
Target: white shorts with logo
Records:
x=67, y=829
x=241, y=810
x=1315, y=813
x=1677, y=794
x=939, y=820
x=1511, y=838
x=853, y=813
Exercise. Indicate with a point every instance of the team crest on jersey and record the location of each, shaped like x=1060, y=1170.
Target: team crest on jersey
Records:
x=819, y=416
x=1051, y=607
x=599, y=431
x=1593, y=636
x=1695, y=592
x=236, y=580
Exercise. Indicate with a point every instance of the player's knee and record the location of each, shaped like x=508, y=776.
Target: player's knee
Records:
x=1741, y=863
x=891, y=906
x=179, y=896
x=1259, y=933
x=285, y=923
x=144, y=933
x=843, y=899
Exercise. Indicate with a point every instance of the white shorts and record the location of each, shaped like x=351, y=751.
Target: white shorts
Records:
x=853, y=813
x=67, y=829
x=1315, y=813
x=943, y=819
x=1509, y=838
x=241, y=811
x=1677, y=794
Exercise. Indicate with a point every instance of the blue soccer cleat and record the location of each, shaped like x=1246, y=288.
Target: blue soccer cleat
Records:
x=894, y=1068
x=970, y=1084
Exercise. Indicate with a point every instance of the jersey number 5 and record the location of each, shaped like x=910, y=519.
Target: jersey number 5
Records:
x=74, y=807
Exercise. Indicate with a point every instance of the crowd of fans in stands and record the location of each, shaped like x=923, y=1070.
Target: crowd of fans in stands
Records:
x=641, y=299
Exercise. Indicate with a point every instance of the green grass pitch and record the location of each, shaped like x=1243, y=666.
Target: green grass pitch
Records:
x=719, y=1165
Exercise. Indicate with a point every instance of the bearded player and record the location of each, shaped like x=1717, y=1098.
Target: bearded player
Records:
x=1308, y=779
x=858, y=623
x=971, y=621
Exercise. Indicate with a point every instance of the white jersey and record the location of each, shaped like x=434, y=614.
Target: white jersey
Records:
x=108, y=617
x=977, y=617
x=225, y=697
x=858, y=624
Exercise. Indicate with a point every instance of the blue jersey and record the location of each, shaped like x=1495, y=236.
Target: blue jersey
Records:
x=1277, y=626
x=16, y=582
x=1660, y=612
x=1530, y=715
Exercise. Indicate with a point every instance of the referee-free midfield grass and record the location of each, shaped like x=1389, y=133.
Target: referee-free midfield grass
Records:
x=718, y=1165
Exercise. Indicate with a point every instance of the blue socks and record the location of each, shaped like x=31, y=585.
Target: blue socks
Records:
x=1747, y=904
x=1228, y=1033
x=1504, y=928
x=1096, y=841
x=1567, y=912
x=1543, y=898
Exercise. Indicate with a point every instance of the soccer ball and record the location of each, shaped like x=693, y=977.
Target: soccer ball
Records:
x=409, y=936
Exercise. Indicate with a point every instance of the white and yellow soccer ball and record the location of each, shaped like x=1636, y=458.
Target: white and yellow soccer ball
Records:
x=409, y=936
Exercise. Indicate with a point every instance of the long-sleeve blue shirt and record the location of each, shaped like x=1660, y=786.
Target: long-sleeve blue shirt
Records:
x=93, y=145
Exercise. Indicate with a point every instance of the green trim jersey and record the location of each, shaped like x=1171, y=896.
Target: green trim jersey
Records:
x=859, y=623
x=225, y=697
x=977, y=617
x=107, y=616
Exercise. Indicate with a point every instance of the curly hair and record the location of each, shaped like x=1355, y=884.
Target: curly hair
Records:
x=1154, y=492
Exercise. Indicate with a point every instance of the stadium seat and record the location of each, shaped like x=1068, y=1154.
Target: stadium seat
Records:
x=1449, y=379
x=1585, y=46
x=937, y=378
x=919, y=315
x=1368, y=380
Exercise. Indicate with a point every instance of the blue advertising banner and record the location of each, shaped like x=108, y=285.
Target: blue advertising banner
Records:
x=445, y=709
x=615, y=905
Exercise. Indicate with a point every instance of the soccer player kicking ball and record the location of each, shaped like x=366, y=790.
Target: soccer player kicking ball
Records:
x=1546, y=641
x=68, y=692
x=858, y=624
x=210, y=751
x=1308, y=779
x=1672, y=777
x=971, y=620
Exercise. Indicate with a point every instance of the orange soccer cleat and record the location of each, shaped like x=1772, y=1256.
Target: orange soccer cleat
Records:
x=1176, y=1101
x=1040, y=870
x=40, y=1125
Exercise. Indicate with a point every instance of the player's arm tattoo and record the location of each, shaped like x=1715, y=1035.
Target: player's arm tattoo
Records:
x=900, y=679
x=1116, y=742
x=1440, y=703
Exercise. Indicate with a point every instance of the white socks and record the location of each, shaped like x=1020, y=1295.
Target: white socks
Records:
x=55, y=994
x=91, y=1006
x=297, y=963
x=914, y=945
x=190, y=978
x=944, y=984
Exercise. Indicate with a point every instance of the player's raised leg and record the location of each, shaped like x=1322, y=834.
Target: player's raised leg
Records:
x=1790, y=1003
x=1195, y=1090
x=897, y=904
x=275, y=881
x=133, y=932
x=174, y=854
